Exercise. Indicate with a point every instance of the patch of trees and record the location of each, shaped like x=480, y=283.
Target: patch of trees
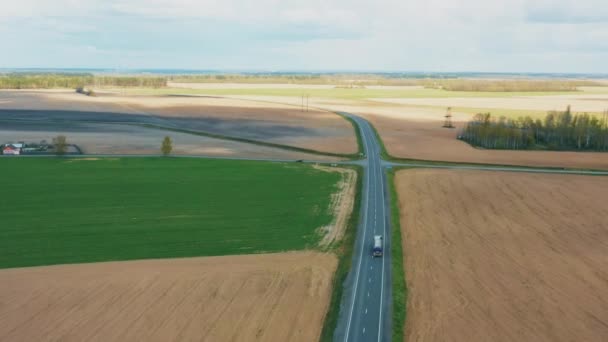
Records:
x=60, y=145
x=75, y=81
x=167, y=146
x=44, y=81
x=130, y=81
x=558, y=131
x=258, y=78
x=342, y=80
x=506, y=85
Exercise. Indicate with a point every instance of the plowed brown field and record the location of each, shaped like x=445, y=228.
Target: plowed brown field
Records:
x=504, y=256
x=415, y=132
x=272, y=297
x=427, y=140
x=269, y=122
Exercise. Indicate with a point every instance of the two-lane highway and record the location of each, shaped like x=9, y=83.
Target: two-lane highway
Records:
x=366, y=305
x=365, y=308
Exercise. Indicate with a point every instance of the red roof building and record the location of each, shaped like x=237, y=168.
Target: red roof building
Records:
x=11, y=150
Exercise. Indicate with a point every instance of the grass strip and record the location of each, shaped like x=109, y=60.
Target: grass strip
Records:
x=344, y=251
x=399, y=285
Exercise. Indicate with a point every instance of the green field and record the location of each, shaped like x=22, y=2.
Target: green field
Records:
x=57, y=211
x=341, y=93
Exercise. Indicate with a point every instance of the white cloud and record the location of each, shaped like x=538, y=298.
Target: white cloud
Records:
x=353, y=34
x=556, y=11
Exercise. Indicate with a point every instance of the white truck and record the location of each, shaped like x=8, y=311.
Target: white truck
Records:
x=377, y=251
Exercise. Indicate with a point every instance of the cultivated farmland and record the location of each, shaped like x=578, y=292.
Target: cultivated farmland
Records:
x=81, y=210
x=122, y=139
x=269, y=297
x=267, y=122
x=504, y=256
x=409, y=119
x=583, y=102
x=427, y=140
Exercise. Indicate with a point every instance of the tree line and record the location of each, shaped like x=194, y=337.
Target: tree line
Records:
x=75, y=80
x=516, y=85
x=558, y=131
x=44, y=81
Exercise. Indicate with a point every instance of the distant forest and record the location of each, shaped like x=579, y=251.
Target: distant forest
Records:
x=558, y=131
x=73, y=80
x=47, y=80
x=513, y=85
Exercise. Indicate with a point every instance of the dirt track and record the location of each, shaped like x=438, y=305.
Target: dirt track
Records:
x=273, y=297
x=504, y=256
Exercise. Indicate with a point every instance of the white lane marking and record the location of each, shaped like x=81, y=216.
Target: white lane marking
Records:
x=366, y=311
x=362, y=249
x=371, y=267
x=369, y=280
x=364, y=330
x=368, y=293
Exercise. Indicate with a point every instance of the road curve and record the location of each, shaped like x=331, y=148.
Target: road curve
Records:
x=365, y=307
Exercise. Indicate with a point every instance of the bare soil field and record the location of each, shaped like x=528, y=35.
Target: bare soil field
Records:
x=504, y=256
x=275, y=123
x=427, y=140
x=415, y=133
x=271, y=297
x=125, y=139
x=579, y=103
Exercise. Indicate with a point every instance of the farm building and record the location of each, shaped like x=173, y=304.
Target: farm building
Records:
x=12, y=149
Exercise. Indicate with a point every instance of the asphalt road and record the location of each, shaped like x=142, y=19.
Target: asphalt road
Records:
x=365, y=307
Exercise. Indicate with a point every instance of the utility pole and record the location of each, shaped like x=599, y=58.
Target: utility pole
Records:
x=448, y=119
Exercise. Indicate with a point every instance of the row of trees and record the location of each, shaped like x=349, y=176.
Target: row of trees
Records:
x=71, y=80
x=558, y=131
x=506, y=85
x=44, y=81
x=341, y=80
x=130, y=81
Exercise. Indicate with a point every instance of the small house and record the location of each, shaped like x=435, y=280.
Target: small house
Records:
x=12, y=149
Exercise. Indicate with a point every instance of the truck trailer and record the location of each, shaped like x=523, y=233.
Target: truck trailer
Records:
x=377, y=251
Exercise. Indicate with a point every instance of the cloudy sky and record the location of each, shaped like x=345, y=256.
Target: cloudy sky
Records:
x=274, y=35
